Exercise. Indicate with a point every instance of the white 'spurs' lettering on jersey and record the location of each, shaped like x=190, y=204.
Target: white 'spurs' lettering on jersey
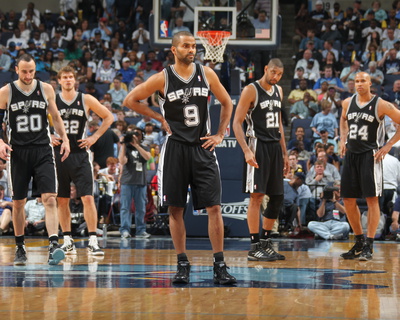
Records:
x=180, y=94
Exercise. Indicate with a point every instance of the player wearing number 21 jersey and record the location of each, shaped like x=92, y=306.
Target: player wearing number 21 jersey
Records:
x=361, y=141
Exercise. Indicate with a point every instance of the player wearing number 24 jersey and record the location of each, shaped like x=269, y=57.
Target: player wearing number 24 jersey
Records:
x=362, y=143
x=188, y=157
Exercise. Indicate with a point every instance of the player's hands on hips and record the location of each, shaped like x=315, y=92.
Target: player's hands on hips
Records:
x=5, y=150
x=55, y=141
x=212, y=141
x=382, y=152
x=64, y=150
x=87, y=142
x=250, y=158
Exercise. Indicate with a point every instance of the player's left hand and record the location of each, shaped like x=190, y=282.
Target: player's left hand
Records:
x=212, y=141
x=382, y=152
x=87, y=142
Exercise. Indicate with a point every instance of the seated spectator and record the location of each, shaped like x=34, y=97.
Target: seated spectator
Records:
x=334, y=98
x=328, y=47
x=40, y=43
x=349, y=54
x=294, y=165
x=149, y=135
x=72, y=51
x=389, y=40
x=10, y=22
x=106, y=73
x=111, y=171
x=324, y=91
x=59, y=63
x=299, y=133
x=320, y=15
x=325, y=120
x=155, y=63
x=330, y=33
x=117, y=94
x=291, y=210
x=62, y=27
x=179, y=26
x=331, y=60
x=298, y=94
x=104, y=28
x=318, y=44
x=393, y=95
x=5, y=211
x=351, y=89
x=142, y=123
x=34, y=217
x=376, y=75
x=333, y=158
x=141, y=35
x=262, y=21
x=330, y=171
x=371, y=33
x=134, y=61
x=330, y=225
x=390, y=64
x=5, y=60
x=352, y=32
x=299, y=76
x=303, y=155
x=148, y=71
x=330, y=78
x=305, y=108
x=325, y=140
x=20, y=42
x=350, y=72
x=379, y=13
x=372, y=54
x=310, y=66
x=127, y=73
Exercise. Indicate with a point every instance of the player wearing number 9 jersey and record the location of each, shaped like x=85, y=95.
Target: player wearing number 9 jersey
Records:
x=361, y=141
x=30, y=153
x=187, y=157
x=74, y=108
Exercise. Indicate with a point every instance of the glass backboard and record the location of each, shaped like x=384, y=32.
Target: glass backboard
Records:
x=252, y=26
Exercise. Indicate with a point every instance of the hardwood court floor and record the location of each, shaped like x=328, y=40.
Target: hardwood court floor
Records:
x=133, y=282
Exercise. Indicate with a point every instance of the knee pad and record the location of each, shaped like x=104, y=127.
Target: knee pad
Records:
x=274, y=207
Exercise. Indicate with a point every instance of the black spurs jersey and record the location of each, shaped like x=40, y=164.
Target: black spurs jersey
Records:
x=75, y=119
x=27, y=116
x=185, y=105
x=263, y=119
x=366, y=130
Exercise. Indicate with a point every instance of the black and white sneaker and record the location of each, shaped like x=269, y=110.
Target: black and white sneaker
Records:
x=366, y=253
x=20, y=256
x=56, y=254
x=183, y=272
x=257, y=253
x=93, y=247
x=221, y=274
x=354, y=252
x=266, y=245
x=68, y=246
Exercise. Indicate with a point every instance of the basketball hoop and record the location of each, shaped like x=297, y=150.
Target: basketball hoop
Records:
x=214, y=42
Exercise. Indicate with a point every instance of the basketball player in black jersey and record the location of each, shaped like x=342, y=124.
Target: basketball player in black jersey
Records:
x=30, y=153
x=265, y=155
x=187, y=157
x=74, y=108
x=361, y=141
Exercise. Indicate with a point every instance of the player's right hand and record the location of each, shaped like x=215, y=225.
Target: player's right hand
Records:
x=55, y=141
x=251, y=159
x=5, y=150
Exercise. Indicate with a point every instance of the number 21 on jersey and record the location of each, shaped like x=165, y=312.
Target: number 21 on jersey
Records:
x=272, y=119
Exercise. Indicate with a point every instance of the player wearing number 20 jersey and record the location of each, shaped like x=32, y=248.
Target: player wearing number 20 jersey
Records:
x=185, y=107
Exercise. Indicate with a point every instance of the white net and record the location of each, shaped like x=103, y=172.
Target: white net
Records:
x=214, y=42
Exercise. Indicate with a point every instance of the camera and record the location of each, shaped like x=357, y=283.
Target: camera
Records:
x=328, y=192
x=128, y=138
